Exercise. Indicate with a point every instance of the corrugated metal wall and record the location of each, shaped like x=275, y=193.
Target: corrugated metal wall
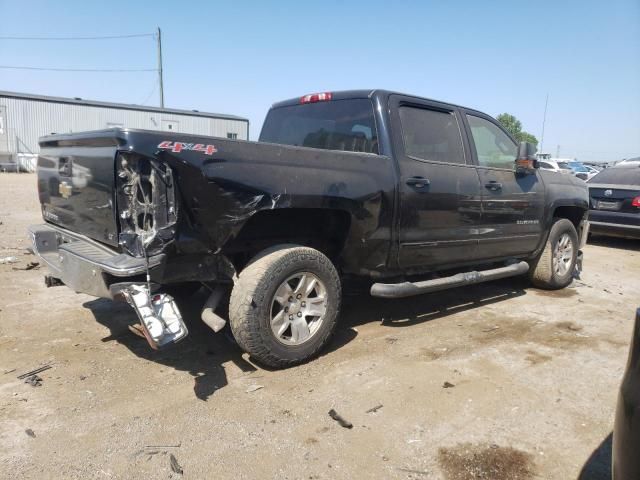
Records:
x=29, y=119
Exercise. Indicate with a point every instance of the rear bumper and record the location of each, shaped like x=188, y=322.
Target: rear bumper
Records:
x=615, y=229
x=85, y=265
x=622, y=224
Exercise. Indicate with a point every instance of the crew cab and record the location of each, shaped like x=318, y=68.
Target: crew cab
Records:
x=415, y=195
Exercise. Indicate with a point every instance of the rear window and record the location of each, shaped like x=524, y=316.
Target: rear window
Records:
x=431, y=135
x=618, y=176
x=346, y=125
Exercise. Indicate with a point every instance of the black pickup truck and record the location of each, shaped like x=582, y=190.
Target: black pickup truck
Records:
x=414, y=194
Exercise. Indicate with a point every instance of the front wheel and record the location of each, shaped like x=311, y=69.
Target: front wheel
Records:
x=554, y=268
x=284, y=305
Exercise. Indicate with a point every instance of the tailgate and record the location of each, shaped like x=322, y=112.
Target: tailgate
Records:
x=76, y=184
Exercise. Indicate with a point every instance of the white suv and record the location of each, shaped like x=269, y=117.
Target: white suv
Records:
x=552, y=165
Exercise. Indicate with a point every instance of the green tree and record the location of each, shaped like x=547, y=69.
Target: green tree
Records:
x=527, y=137
x=514, y=127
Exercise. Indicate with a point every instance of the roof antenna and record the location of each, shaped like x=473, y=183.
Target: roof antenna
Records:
x=544, y=119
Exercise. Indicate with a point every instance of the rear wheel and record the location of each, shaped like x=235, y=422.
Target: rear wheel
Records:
x=285, y=304
x=555, y=266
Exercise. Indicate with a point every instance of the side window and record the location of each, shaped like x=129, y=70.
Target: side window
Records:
x=493, y=146
x=431, y=135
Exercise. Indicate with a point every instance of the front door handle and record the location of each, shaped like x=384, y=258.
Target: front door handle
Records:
x=418, y=182
x=493, y=186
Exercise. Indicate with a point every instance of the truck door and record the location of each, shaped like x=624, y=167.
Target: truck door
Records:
x=512, y=204
x=440, y=195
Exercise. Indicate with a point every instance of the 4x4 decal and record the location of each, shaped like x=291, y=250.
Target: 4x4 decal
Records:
x=177, y=147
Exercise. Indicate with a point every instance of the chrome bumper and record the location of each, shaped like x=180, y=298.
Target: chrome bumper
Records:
x=82, y=264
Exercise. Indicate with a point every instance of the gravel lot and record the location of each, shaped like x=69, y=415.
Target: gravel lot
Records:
x=496, y=381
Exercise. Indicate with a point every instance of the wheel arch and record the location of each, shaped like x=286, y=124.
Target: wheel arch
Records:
x=325, y=229
x=573, y=213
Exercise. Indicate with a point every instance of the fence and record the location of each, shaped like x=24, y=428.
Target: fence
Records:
x=22, y=161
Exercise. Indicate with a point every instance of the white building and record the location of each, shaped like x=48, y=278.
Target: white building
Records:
x=25, y=117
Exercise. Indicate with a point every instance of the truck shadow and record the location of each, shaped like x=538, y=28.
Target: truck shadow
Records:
x=598, y=465
x=615, y=242
x=203, y=354
x=362, y=308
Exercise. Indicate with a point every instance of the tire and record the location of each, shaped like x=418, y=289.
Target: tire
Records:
x=255, y=309
x=544, y=271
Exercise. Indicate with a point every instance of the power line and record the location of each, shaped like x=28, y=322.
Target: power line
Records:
x=104, y=37
x=11, y=67
x=155, y=86
x=156, y=35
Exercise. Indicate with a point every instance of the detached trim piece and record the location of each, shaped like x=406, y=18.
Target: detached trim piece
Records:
x=408, y=289
x=615, y=225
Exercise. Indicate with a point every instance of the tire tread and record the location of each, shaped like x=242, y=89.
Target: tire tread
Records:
x=541, y=272
x=250, y=291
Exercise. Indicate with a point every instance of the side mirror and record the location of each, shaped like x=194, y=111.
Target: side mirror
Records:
x=526, y=162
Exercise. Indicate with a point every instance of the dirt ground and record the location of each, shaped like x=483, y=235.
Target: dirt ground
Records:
x=497, y=381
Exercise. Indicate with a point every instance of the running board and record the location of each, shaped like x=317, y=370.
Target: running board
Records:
x=408, y=289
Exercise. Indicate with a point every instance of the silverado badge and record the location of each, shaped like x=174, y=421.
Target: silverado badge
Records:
x=65, y=189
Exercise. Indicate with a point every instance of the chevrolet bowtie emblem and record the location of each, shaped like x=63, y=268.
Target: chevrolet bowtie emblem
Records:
x=65, y=189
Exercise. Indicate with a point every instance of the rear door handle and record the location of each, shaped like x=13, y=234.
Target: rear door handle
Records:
x=493, y=186
x=418, y=182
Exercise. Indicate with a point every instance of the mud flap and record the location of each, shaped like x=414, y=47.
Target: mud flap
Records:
x=159, y=316
x=578, y=267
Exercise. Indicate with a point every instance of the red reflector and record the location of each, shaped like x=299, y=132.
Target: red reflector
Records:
x=316, y=97
x=636, y=202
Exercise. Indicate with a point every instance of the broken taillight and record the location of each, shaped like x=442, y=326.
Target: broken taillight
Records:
x=146, y=204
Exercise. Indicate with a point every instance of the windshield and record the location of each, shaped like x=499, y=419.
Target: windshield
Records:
x=564, y=165
x=333, y=125
x=618, y=176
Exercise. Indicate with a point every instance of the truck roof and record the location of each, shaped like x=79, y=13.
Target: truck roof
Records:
x=366, y=93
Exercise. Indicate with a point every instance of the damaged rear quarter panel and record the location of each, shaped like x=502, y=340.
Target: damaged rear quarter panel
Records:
x=222, y=191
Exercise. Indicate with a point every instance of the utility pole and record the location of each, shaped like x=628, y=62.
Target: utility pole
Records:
x=558, y=151
x=159, y=37
x=544, y=119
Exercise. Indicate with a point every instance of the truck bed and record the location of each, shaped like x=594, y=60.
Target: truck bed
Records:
x=220, y=184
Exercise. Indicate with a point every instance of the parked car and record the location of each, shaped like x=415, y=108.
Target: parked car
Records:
x=552, y=166
x=593, y=171
x=579, y=170
x=615, y=201
x=626, y=430
x=373, y=184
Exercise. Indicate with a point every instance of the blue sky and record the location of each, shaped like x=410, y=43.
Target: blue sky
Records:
x=241, y=56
